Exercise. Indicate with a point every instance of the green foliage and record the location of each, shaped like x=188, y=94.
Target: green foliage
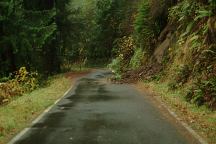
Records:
x=194, y=31
x=145, y=27
x=46, y=36
x=27, y=37
x=124, y=49
x=115, y=65
x=202, y=13
x=142, y=18
x=189, y=11
x=136, y=60
x=213, y=5
x=72, y=34
x=181, y=76
x=203, y=92
x=156, y=77
x=125, y=46
x=28, y=80
x=4, y=79
x=110, y=16
x=105, y=31
x=22, y=82
x=20, y=112
x=183, y=11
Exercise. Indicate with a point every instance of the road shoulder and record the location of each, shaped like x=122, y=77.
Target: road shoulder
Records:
x=179, y=112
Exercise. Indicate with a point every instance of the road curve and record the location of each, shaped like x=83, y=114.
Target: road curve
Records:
x=98, y=112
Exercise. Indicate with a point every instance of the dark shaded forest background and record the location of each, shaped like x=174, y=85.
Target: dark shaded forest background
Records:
x=46, y=35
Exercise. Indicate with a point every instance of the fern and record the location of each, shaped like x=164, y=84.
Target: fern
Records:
x=202, y=13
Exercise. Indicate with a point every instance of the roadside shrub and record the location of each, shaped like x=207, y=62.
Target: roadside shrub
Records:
x=23, y=82
x=203, y=92
x=136, y=60
x=125, y=46
x=115, y=66
x=9, y=90
x=124, y=49
x=181, y=76
x=28, y=80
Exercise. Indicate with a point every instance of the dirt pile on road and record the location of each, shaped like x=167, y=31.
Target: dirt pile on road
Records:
x=76, y=74
x=143, y=73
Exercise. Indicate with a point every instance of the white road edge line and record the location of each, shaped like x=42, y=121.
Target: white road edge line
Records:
x=25, y=130
x=185, y=125
x=19, y=135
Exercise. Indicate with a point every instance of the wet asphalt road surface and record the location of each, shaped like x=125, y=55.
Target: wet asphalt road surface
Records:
x=98, y=112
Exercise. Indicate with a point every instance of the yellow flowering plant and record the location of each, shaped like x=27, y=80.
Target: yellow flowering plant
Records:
x=23, y=82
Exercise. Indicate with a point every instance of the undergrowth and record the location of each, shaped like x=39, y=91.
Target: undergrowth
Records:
x=22, y=82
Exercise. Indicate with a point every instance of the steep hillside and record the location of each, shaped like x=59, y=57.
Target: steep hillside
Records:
x=175, y=42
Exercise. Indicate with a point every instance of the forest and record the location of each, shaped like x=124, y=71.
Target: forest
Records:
x=165, y=40
x=171, y=42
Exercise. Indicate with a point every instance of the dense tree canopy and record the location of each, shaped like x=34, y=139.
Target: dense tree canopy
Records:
x=43, y=35
x=28, y=34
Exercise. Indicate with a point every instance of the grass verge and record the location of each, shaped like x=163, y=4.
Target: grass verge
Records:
x=201, y=119
x=21, y=111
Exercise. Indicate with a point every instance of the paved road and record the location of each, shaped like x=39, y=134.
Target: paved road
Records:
x=97, y=112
